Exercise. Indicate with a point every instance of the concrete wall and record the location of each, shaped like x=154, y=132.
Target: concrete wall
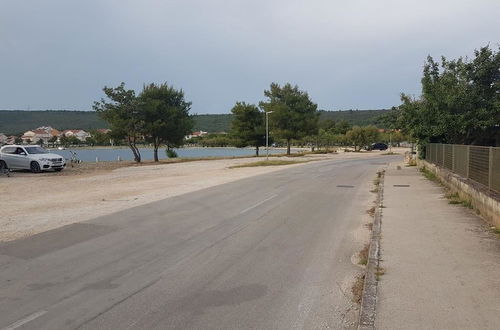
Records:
x=484, y=202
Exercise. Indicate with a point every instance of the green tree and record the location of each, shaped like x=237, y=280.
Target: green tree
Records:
x=294, y=114
x=39, y=142
x=247, y=126
x=341, y=127
x=69, y=140
x=53, y=140
x=99, y=138
x=123, y=113
x=166, y=116
x=460, y=102
x=362, y=136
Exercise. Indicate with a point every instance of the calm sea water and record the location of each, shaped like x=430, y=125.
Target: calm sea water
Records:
x=106, y=154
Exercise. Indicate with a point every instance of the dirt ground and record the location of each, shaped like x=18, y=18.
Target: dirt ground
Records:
x=34, y=203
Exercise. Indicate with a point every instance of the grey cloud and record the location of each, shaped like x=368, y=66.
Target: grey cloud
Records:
x=347, y=54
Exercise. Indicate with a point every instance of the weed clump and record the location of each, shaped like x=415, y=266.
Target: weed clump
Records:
x=363, y=255
x=357, y=289
x=454, y=198
x=429, y=175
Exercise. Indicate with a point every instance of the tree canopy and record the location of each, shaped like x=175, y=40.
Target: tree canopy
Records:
x=247, y=126
x=460, y=102
x=294, y=114
x=123, y=113
x=159, y=115
x=362, y=136
x=166, y=116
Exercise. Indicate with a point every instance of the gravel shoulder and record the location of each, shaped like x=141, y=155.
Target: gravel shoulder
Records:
x=34, y=203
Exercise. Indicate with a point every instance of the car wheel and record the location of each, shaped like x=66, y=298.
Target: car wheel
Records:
x=3, y=166
x=35, y=167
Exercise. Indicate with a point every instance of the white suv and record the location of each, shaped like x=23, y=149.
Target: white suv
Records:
x=32, y=157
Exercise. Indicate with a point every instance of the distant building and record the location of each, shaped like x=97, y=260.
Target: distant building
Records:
x=103, y=130
x=44, y=133
x=3, y=138
x=80, y=134
x=196, y=134
x=11, y=139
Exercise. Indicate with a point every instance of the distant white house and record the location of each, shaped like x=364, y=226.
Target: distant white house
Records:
x=11, y=139
x=44, y=133
x=80, y=134
x=195, y=134
x=3, y=138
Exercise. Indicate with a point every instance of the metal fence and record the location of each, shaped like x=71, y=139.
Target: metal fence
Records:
x=480, y=164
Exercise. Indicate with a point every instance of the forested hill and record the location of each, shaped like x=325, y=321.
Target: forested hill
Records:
x=17, y=122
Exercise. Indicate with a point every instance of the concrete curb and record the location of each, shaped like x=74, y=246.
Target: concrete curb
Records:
x=367, y=311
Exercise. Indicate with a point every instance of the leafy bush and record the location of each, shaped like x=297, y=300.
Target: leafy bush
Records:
x=171, y=153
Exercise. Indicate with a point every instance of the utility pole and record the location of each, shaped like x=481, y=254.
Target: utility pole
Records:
x=390, y=141
x=267, y=134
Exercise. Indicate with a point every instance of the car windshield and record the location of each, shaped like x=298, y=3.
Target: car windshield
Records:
x=36, y=150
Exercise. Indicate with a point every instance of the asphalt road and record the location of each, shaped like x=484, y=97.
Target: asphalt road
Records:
x=269, y=252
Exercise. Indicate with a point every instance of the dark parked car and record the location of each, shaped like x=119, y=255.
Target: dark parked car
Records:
x=378, y=146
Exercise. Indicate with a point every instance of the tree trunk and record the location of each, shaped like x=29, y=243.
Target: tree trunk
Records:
x=288, y=146
x=135, y=150
x=155, y=151
x=257, y=151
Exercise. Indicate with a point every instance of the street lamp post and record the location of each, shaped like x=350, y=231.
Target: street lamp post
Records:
x=267, y=134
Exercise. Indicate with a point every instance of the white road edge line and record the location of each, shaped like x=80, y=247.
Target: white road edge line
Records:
x=259, y=203
x=25, y=320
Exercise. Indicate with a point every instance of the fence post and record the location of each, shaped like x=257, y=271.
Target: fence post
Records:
x=490, y=167
x=443, y=146
x=467, y=162
x=453, y=158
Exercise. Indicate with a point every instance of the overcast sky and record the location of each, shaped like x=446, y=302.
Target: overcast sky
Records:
x=359, y=54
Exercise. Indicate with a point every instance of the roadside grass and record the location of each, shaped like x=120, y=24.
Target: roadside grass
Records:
x=363, y=255
x=429, y=175
x=371, y=211
x=495, y=230
x=454, y=198
x=357, y=289
x=411, y=162
x=380, y=272
x=323, y=151
x=298, y=154
x=389, y=153
x=269, y=163
x=376, y=182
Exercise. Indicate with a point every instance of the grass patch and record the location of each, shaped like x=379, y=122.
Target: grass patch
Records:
x=429, y=175
x=363, y=255
x=357, y=289
x=298, y=154
x=390, y=153
x=269, y=163
x=495, y=230
x=323, y=151
x=380, y=271
x=412, y=162
x=371, y=211
x=455, y=199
